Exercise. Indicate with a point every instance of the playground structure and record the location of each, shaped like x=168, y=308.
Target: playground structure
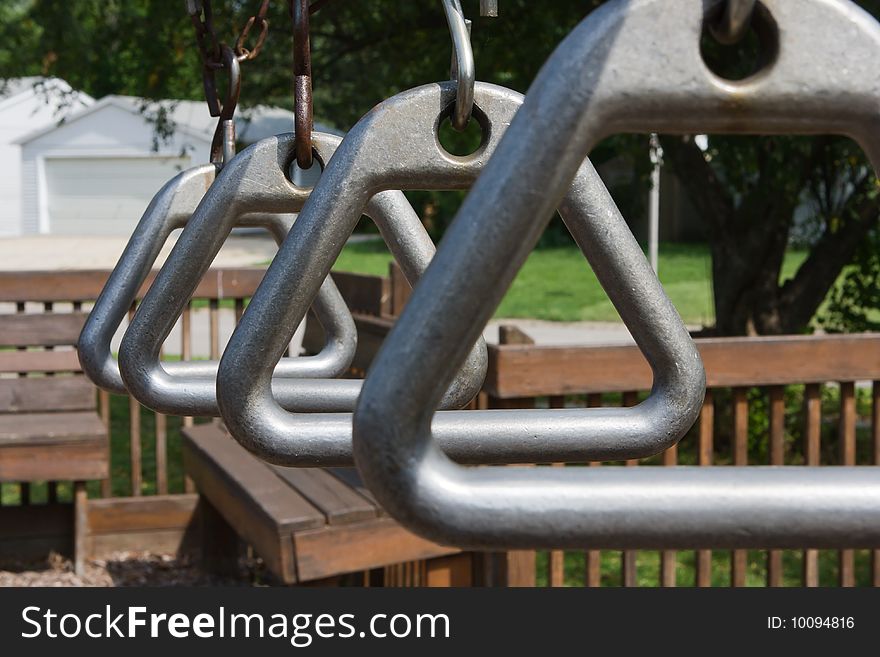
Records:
x=399, y=382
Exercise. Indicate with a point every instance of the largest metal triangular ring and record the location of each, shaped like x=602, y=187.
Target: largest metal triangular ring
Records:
x=631, y=66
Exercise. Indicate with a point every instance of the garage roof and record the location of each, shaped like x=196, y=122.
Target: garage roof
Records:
x=191, y=118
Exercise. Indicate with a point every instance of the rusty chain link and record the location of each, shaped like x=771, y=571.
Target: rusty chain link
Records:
x=216, y=55
x=259, y=20
x=302, y=82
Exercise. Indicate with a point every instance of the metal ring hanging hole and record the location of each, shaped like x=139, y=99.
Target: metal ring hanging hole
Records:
x=461, y=153
x=754, y=52
x=293, y=166
x=463, y=63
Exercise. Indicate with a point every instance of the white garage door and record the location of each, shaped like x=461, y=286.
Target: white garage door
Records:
x=104, y=196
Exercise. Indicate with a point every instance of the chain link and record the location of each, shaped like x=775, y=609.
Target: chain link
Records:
x=259, y=21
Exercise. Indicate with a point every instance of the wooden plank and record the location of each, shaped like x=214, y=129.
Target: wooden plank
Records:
x=252, y=479
x=165, y=524
x=80, y=526
x=134, y=446
x=512, y=334
x=529, y=371
x=339, y=503
x=875, y=444
x=214, y=328
x=46, y=329
x=371, y=334
x=51, y=429
x=51, y=285
x=812, y=438
x=629, y=558
x=81, y=285
x=847, y=438
x=181, y=540
x=104, y=408
x=739, y=558
x=370, y=295
x=43, y=394
x=186, y=354
x=556, y=558
x=776, y=399
x=138, y=514
x=400, y=288
x=452, y=571
x=262, y=509
x=593, y=558
x=161, y=454
x=27, y=362
x=705, y=456
x=65, y=461
x=668, y=558
x=351, y=478
x=361, y=546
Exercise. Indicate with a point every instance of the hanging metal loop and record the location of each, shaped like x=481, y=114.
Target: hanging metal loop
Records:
x=734, y=21
x=223, y=143
x=302, y=83
x=463, y=70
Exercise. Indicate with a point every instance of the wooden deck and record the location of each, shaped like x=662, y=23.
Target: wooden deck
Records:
x=306, y=523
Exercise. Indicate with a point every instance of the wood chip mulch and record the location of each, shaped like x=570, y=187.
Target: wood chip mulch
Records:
x=127, y=569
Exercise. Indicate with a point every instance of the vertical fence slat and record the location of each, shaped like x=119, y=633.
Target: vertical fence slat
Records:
x=214, y=307
x=739, y=558
x=186, y=354
x=776, y=395
x=847, y=438
x=630, y=558
x=705, y=456
x=161, y=452
x=812, y=439
x=593, y=558
x=668, y=559
x=134, y=410
x=24, y=488
x=104, y=404
x=556, y=558
x=51, y=486
x=875, y=441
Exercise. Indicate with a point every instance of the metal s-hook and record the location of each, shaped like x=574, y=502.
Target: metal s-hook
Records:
x=223, y=143
x=734, y=21
x=463, y=70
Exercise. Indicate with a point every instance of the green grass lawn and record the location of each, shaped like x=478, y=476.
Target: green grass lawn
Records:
x=557, y=284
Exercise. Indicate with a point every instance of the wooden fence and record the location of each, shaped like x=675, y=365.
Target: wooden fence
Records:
x=813, y=400
x=805, y=387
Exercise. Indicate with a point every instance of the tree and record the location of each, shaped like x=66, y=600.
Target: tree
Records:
x=751, y=193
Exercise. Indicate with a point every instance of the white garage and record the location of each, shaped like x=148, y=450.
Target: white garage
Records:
x=95, y=173
x=103, y=195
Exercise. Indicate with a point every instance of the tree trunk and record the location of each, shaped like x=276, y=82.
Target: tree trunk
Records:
x=748, y=241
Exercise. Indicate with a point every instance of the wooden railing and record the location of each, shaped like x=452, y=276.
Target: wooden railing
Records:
x=803, y=393
x=785, y=401
x=140, y=431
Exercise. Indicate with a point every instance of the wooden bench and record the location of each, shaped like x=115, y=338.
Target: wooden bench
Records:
x=49, y=427
x=307, y=524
